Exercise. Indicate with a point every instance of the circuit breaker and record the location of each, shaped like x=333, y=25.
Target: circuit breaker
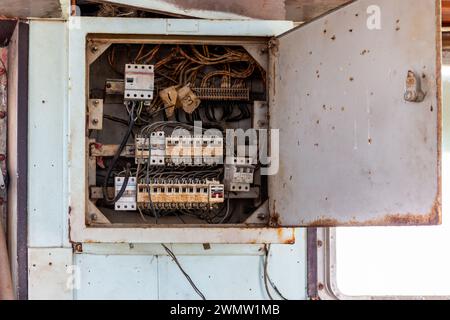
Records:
x=139, y=82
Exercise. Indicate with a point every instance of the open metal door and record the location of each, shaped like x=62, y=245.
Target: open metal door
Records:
x=356, y=96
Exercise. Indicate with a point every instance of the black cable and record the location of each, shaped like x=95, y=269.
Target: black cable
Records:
x=174, y=258
x=114, y=162
x=115, y=119
x=267, y=279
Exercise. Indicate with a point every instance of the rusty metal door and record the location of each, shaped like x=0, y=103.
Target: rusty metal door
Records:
x=356, y=96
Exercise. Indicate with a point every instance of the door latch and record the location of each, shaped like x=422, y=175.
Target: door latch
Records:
x=414, y=91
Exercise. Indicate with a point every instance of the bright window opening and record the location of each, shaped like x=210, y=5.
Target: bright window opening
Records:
x=410, y=261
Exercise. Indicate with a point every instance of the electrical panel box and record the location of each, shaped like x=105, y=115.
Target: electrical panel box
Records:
x=238, y=134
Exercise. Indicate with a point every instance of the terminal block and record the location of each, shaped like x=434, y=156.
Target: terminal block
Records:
x=176, y=195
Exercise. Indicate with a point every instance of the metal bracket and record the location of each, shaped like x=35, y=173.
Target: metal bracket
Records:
x=95, y=216
x=260, y=53
x=274, y=46
x=260, y=115
x=95, y=114
x=109, y=150
x=95, y=49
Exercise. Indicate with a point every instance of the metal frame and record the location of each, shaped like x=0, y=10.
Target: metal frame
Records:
x=18, y=155
x=79, y=232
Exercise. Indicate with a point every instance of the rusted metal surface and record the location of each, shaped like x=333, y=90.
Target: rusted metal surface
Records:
x=356, y=153
x=312, y=245
x=3, y=131
x=305, y=10
x=35, y=8
x=17, y=117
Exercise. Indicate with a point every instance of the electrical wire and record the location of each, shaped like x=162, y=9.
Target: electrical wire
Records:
x=114, y=162
x=189, y=279
x=183, y=65
x=267, y=279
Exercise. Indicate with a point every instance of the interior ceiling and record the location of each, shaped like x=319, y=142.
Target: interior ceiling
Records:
x=31, y=8
x=296, y=10
x=304, y=10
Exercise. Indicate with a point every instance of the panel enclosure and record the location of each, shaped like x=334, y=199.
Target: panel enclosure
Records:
x=354, y=98
x=93, y=37
x=356, y=148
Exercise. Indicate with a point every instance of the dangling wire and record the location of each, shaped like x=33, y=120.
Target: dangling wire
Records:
x=114, y=163
x=267, y=279
x=189, y=279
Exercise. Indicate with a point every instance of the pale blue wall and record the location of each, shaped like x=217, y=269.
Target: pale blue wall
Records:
x=117, y=271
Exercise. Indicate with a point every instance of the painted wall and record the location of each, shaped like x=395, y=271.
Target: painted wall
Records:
x=120, y=271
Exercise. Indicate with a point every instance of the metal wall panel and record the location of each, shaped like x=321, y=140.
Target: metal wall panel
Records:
x=353, y=151
x=50, y=276
x=47, y=103
x=224, y=272
x=116, y=277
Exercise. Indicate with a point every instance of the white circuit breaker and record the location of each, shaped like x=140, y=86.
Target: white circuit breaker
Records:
x=157, y=150
x=139, y=82
x=128, y=201
x=239, y=173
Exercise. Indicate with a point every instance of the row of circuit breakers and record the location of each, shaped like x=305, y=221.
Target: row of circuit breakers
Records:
x=164, y=152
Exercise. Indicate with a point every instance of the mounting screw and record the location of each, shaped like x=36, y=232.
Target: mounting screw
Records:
x=321, y=286
x=95, y=121
x=93, y=217
x=2, y=157
x=96, y=102
x=320, y=243
x=94, y=49
x=2, y=114
x=262, y=216
x=78, y=248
